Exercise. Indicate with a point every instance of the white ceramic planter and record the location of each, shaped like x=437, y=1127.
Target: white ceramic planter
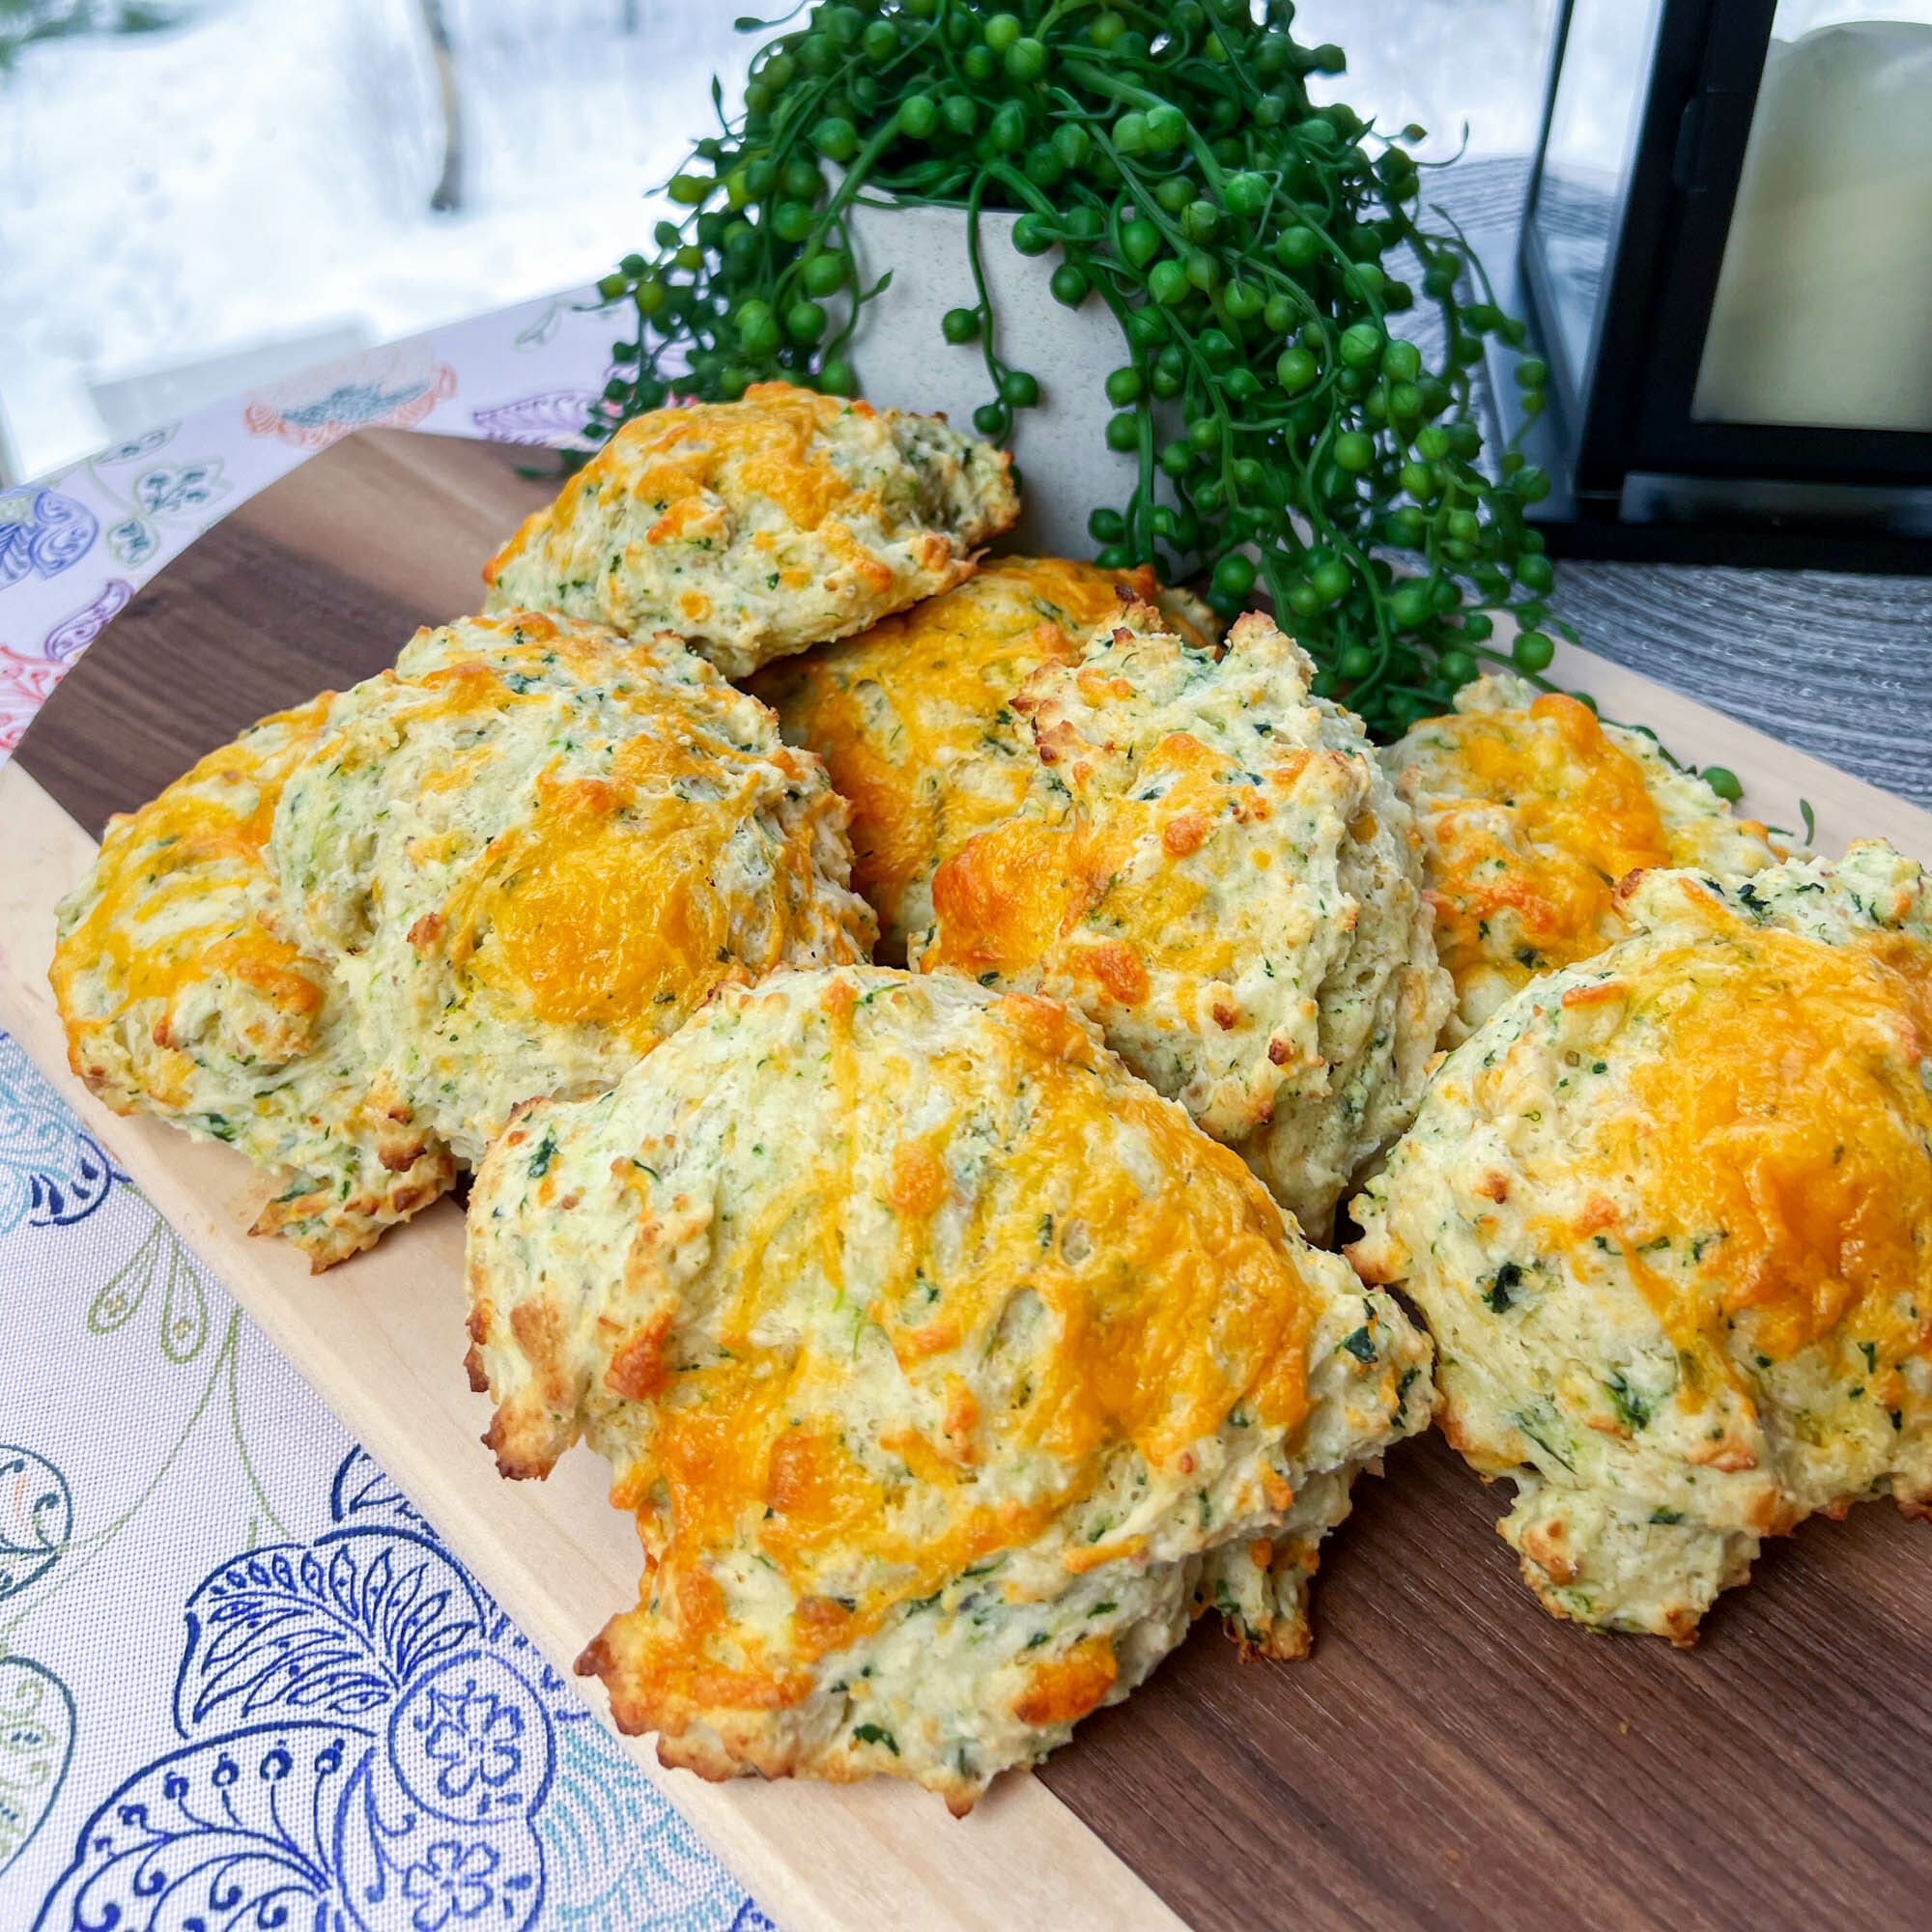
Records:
x=904, y=361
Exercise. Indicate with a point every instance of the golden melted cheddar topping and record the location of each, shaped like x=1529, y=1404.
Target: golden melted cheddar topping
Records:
x=1555, y=815
x=178, y=894
x=1669, y=1214
x=605, y=908
x=914, y=722
x=1097, y=1315
x=185, y=994
x=943, y=1365
x=1797, y=1161
x=1027, y=891
x=671, y=462
x=535, y=846
x=1532, y=812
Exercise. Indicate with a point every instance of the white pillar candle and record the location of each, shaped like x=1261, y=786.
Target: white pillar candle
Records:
x=1824, y=307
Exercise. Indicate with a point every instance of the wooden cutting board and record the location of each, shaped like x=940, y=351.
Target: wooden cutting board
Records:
x=1448, y=1756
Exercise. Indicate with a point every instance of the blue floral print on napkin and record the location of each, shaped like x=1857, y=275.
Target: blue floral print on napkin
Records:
x=43, y=533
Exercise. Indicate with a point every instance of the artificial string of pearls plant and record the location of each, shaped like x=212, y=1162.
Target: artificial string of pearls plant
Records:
x=1243, y=239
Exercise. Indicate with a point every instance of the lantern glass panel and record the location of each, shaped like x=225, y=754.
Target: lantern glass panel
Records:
x=1820, y=317
x=1594, y=121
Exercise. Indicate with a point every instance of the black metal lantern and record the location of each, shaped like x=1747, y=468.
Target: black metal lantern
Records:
x=1726, y=263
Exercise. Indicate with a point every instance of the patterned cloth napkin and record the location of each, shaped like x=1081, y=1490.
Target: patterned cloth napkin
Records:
x=242, y=1682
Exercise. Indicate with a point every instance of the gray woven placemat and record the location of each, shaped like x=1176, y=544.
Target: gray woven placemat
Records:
x=1840, y=666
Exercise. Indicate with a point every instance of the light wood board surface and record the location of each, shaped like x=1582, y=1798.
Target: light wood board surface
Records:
x=1449, y=1756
